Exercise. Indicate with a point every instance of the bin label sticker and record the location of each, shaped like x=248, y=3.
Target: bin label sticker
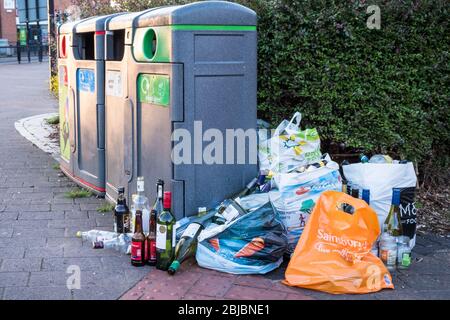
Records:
x=86, y=80
x=114, y=83
x=154, y=88
x=64, y=114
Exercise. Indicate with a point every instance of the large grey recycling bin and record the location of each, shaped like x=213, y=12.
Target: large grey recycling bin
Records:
x=67, y=46
x=180, y=65
x=85, y=161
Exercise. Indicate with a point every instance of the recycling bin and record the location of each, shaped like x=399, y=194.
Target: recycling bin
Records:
x=65, y=53
x=83, y=120
x=185, y=69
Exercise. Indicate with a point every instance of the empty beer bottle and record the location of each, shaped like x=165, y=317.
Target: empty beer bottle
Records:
x=393, y=222
x=138, y=242
x=121, y=213
x=186, y=246
x=165, y=235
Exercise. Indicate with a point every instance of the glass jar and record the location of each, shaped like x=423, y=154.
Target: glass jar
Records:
x=403, y=252
x=388, y=250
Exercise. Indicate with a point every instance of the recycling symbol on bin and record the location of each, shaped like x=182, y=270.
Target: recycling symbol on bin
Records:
x=153, y=89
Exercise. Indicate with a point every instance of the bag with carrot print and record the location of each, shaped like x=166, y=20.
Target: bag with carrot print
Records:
x=252, y=244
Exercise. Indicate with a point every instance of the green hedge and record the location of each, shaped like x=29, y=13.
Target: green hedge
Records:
x=381, y=90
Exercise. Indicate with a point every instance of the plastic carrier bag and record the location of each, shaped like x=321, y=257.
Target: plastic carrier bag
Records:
x=252, y=244
x=298, y=193
x=289, y=147
x=333, y=254
x=380, y=179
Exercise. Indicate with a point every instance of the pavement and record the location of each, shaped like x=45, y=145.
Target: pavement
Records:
x=37, y=222
x=39, y=250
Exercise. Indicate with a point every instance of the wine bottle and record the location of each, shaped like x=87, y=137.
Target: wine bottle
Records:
x=186, y=246
x=165, y=235
x=393, y=222
x=246, y=190
x=228, y=210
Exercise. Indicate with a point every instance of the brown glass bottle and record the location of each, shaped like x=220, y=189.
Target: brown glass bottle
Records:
x=151, y=240
x=138, y=242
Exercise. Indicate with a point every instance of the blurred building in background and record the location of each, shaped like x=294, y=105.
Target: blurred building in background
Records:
x=28, y=19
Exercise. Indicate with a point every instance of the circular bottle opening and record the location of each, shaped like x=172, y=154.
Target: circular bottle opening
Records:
x=150, y=44
x=63, y=46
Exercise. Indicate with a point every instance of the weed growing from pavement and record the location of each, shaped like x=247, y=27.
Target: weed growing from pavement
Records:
x=78, y=193
x=53, y=120
x=55, y=166
x=106, y=207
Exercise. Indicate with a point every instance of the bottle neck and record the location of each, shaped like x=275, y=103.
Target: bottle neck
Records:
x=138, y=226
x=121, y=199
x=396, y=198
x=140, y=187
x=159, y=191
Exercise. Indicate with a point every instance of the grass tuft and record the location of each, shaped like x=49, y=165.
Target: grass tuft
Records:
x=106, y=207
x=53, y=120
x=78, y=193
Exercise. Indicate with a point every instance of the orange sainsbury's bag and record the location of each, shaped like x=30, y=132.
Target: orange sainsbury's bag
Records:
x=333, y=253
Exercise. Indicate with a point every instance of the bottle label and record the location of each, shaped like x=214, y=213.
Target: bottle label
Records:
x=161, y=236
x=406, y=259
x=140, y=186
x=152, y=250
x=191, y=230
x=230, y=213
x=136, y=250
x=388, y=256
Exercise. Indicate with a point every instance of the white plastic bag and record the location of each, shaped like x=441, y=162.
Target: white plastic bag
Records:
x=380, y=179
x=297, y=195
x=289, y=147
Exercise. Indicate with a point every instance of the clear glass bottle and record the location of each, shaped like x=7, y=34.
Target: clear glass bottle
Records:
x=388, y=250
x=140, y=203
x=403, y=252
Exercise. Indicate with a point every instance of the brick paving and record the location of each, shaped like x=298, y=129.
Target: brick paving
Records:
x=428, y=278
x=37, y=222
x=38, y=225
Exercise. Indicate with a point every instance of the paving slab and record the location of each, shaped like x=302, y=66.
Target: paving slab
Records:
x=37, y=222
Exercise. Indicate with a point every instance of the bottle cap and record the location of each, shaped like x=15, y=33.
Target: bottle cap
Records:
x=396, y=196
x=79, y=234
x=173, y=267
x=121, y=190
x=167, y=199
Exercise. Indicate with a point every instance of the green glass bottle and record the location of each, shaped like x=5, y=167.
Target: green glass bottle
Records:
x=186, y=247
x=393, y=222
x=165, y=235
